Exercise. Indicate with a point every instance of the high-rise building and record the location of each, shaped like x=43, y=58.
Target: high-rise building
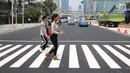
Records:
x=57, y=2
x=69, y=9
x=88, y=6
x=65, y=5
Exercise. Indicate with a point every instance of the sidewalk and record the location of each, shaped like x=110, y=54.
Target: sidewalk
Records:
x=115, y=29
x=10, y=28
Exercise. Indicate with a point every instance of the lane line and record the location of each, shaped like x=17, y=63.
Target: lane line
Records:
x=10, y=50
x=67, y=41
x=111, y=63
x=56, y=63
x=90, y=58
x=73, y=58
x=1, y=44
x=14, y=55
x=123, y=49
x=38, y=61
x=119, y=55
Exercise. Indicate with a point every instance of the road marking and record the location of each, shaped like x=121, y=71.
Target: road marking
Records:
x=1, y=44
x=119, y=55
x=127, y=46
x=22, y=60
x=90, y=58
x=56, y=63
x=4, y=47
x=123, y=49
x=11, y=57
x=38, y=61
x=107, y=58
x=73, y=58
x=9, y=50
x=67, y=41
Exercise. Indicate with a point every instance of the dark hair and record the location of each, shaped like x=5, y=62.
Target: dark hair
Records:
x=54, y=16
x=44, y=17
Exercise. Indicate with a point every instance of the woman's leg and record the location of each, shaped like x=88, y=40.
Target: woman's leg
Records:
x=45, y=40
x=55, y=43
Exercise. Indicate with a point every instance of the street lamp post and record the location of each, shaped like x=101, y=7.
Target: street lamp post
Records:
x=12, y=12
x=82, y=3
x=23, y=12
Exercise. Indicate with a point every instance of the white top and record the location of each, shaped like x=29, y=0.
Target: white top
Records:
x=44, y=26
x=54, y=28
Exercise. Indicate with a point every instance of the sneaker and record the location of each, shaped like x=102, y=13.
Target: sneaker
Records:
x=40, y=49
x=55, y=58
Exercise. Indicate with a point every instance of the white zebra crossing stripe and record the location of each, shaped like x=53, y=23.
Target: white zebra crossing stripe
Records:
x=11, y=57
x=119, y=55
x=9, y=50
x=22, y=60
x=38, y=61
x=90, y=58
x=123, y=49
x=73, y=58
x=4, y=47
x=56, y=63
x=127, y=46
x=107, y=59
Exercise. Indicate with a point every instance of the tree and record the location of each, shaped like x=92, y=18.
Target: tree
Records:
x=51, y=5
x=35, y=10
x=128, y=5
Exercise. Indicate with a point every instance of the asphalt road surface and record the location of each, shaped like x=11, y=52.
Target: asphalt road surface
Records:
x=81, y=50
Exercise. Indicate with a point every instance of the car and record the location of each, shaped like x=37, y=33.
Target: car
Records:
x=62, y=20
x=75, y=20
x=71, y=22
x=83, y=22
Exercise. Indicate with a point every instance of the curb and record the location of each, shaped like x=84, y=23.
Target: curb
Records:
x=17, y=28
x=112, y=30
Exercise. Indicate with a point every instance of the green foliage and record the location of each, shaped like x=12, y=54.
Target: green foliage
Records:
x=35, y=10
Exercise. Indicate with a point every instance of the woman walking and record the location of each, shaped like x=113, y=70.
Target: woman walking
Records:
x=43, y=33
x=54, y=34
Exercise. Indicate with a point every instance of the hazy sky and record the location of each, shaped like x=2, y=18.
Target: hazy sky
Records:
x=74, y=4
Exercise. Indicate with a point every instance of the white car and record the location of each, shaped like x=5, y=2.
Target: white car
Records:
x=75, y=20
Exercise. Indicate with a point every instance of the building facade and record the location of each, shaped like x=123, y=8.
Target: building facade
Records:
x=65, y=5
x=88, y=6
x=4, y=7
